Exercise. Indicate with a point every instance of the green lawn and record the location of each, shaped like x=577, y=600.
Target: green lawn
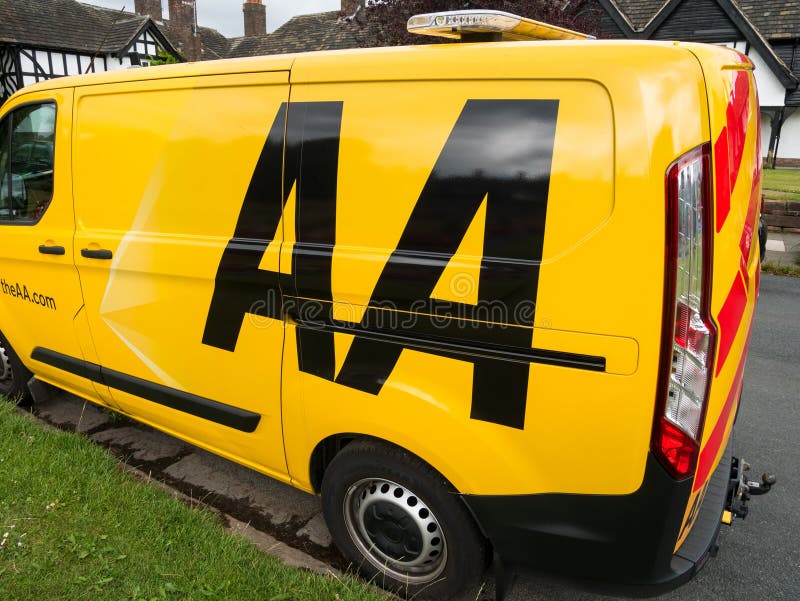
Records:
x=74, y=526
x=782, y=184
x=776, y=269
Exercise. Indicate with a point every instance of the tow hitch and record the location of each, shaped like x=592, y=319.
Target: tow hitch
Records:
x=740, y=489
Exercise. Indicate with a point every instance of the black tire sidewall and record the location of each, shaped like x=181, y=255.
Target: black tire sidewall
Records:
x=18, y=391
x=466, y=547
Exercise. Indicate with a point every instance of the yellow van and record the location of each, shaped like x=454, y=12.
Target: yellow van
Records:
x=489, y=300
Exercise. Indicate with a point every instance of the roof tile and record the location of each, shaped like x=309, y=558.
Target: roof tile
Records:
x=640, y=12
x=775, y=19
x=304, y=33
x=67, y=24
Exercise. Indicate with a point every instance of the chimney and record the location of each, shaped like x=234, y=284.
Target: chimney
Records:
x=183, y=28
x=349, y=7
x=151, y=8
x=255, y=18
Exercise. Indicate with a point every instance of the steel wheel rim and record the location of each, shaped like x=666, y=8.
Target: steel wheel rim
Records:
x=6, y=374
x=380, y=516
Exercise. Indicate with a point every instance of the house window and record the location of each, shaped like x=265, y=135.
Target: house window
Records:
x=27, y=143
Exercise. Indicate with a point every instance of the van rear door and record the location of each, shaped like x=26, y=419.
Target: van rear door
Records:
x=736, y=168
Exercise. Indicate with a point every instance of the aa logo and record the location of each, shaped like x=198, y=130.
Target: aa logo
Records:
x=499, y=151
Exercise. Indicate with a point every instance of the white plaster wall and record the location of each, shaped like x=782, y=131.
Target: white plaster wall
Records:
x=766, y=129
x=772, y=93
x=72, y=65
x=112, y=62
x=789, y=145
x=770, y=90
x=58, y=63
x=26, y=64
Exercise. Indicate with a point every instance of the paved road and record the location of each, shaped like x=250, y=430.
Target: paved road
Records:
x=759, y=557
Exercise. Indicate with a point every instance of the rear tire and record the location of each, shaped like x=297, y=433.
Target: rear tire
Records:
x=401, y=523
x=14, y=375
x=762, y=239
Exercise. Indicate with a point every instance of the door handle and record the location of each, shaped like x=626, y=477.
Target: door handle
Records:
x=96, y=254
x=51, y=250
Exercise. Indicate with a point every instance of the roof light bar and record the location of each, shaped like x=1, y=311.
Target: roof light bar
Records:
x=462, y=24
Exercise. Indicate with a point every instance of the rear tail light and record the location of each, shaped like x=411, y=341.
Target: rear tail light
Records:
x=688, y=332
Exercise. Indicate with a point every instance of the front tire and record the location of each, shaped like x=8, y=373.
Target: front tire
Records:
x=14, y=375
x=402, y=523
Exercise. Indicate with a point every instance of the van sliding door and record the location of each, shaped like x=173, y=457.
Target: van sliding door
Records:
x=172, y=269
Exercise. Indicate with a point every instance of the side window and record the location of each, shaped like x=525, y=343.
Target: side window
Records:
x=27, y=141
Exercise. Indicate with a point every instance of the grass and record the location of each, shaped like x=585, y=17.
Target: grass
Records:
x=74, y=526
x=775, y=269
x=782, y=184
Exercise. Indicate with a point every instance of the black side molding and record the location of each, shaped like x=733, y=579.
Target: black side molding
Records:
x=226, y=415
x=79, y=367
x=459, y=349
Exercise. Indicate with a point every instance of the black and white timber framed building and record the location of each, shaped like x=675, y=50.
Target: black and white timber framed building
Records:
x=44, y=39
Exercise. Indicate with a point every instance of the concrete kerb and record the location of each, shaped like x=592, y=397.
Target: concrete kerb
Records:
x=84, y=416
x=783, y=248
x=289, y=556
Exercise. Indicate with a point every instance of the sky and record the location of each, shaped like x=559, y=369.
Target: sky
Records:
x=226, y=15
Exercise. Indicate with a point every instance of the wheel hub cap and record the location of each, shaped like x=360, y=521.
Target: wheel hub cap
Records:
x=395, y=530
x=5, y=366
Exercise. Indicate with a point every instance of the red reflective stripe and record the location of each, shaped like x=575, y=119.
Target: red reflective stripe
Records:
x=709, y=452
x=743, y=271
x=722, y=178
x=727, y=165
x=738, y=115
x=730, y=316
x=746, y=241
x=729, y=319
x=729, y=147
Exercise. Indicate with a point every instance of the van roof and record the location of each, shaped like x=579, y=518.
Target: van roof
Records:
x=495, y=60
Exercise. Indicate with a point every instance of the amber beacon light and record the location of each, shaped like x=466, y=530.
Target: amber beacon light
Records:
x=462, y=24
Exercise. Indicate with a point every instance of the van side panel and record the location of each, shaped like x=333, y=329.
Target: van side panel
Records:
x=600, y=276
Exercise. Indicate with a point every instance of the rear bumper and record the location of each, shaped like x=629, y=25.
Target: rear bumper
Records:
x=613, y=543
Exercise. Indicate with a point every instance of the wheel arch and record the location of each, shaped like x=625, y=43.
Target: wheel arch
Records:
x=330, y=446
x=326, y=450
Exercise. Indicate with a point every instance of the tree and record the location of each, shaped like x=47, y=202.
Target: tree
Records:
x=163, y=58
x=383, y=22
